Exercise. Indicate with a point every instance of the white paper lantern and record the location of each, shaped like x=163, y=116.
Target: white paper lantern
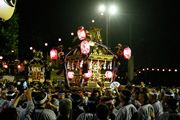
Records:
x=7, y=8
x=114, y=85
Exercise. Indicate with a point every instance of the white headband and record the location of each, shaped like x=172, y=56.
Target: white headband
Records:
x=91, y=101
x=106, y=102
x=41, y=101
x=151, y=93
x=169, y=95
x=10, y=94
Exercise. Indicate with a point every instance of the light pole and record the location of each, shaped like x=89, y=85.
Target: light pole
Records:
x=111, y=10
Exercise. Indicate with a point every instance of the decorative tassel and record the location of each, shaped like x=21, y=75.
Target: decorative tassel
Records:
x=98, y=65
x=110, y=65
x=68, y=65
x=72, y=66
x=81, y=64
x=104, y=66
x=90, y=65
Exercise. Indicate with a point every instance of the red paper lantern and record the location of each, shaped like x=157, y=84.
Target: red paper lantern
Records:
x=108, y=74
x=85, y=47
x=127, y=53
x=53, y=54
x=81, y=34
x=89, y=74
x=70, y=75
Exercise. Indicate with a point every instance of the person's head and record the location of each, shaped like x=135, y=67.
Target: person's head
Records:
x=173, y=105
x=48, y=89
x=135, y=89
x=10, y=95
x=153, y=96
x=117, y=101
x=65, y=106
x=143, y=97
x=95, y=93
x=9, y=114
x=92, y=103
x=110, y=102
x=87, y=94
x=125, y=96
x=108, y=92
x=168, y=94
x=40, y=99
x=68, y=94
x=102, y=112
x=135, y=92
x=76, y=99
x=61, y=95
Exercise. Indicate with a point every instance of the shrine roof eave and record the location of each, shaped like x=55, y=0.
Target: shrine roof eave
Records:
x=92, y=56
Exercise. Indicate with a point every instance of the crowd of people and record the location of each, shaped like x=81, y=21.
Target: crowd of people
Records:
x=46, y=102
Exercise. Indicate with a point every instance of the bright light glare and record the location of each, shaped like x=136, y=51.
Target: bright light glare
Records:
x=31, y=48
x=72, y=33
x=1, y=57
x=46, y=44
x=112, y=9
x=102, y=8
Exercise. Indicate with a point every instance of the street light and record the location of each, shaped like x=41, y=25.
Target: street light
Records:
x=72, y=33
x=111, y=10
x=59, y=39
x=46, y=44
x=102, y=8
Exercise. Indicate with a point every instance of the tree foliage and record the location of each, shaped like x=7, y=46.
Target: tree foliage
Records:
x=9, y=35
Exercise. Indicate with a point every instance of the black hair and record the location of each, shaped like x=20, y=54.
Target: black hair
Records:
x=4, y=114
x=76, y=99
x=92, y=103
x=173, y=104
x=145, y=96
x=10, y=97
x=94, y=91
x=102, y=111
x=126, y=95
x=39, y=96
x=107, y=98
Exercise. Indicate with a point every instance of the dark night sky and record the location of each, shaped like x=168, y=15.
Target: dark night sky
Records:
x=154, y=26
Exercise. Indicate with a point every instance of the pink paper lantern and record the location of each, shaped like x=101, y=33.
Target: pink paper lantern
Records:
x=108, y=74
x=53, y=54
x=127, y=53
x=70, y=75
x=89, y=74
x=85, y=47
x=81, y=34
